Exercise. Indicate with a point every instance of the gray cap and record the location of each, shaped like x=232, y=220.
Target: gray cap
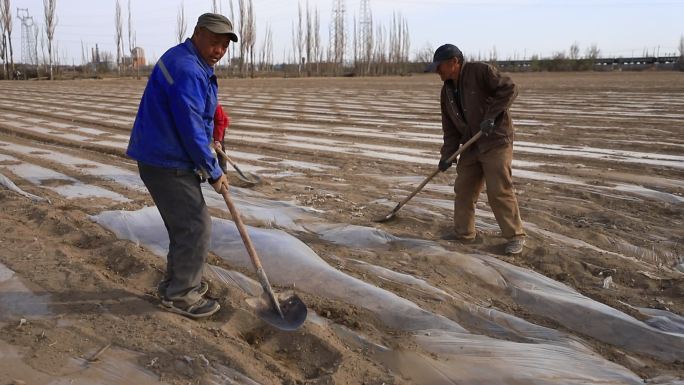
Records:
x=218, y=24
x=444, y=52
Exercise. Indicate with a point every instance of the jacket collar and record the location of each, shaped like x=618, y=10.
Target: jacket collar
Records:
x=190, y=46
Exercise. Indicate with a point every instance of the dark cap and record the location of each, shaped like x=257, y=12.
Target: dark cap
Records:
x=444, y=52
x=218, y=24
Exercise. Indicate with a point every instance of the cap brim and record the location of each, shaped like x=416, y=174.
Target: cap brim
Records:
x=220, y=31
x=432, y=67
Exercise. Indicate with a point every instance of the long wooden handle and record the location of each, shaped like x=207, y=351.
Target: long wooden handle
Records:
x=265, y=284
x=432, y=175
x=223, y=154
x=242, y=229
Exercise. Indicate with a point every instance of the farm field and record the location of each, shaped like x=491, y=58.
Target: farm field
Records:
x=596, y=297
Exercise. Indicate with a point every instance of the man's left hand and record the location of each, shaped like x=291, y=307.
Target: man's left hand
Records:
x=487, y=127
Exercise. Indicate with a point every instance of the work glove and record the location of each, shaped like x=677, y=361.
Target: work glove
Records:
x=487, y=127
x=444, y=165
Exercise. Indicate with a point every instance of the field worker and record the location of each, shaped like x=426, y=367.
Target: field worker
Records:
x=476, y=97
x=171, y=140
x=221, y=124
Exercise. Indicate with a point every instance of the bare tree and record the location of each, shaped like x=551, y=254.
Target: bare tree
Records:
x=83, y=54
x=232, y=19
x=248, y=34
x=681, y=47
x=493, y=57
x=3, y=43
x=355, y=43
x=244, y=34
x=7, y=15
x=131, y=38
x=34, y=48
x=574, y=51
x=316, y=40
x=118, y=24
x=379, y=56
x=49, y=7
x=266, y=56
x=43, y=44
x=251, y=22
x=309, y=38
x=593, y=52
x=425, y=54
x=181, y=24
x=214, y=7
x=399, y=43
x=299, y=39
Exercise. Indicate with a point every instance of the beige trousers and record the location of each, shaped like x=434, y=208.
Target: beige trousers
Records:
x=493, y=168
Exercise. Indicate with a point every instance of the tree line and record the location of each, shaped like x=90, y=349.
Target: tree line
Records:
x=362, y=46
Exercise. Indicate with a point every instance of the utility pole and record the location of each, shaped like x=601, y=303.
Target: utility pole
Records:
x=28, y=43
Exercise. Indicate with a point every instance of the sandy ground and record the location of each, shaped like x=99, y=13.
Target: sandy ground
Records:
x=599, y=174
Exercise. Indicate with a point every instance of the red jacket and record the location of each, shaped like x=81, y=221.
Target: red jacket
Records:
x=221, y=123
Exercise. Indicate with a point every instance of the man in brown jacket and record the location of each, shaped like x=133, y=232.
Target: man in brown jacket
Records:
x=476, y=97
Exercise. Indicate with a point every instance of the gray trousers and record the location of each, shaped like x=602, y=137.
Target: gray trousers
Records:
x=178, y=196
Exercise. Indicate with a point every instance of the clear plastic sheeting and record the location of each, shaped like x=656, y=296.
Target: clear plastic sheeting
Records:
x=67, y=186
x=541, y=356
x=406, y=280
x=664, y=320
x=124, y=177
x=287, y=262
x=115, y=367
x=17, y=301
x=265, y=212
x=8, y=184
x=548, y=298
x=353, y=236
x=470, y=359
x=461, y=358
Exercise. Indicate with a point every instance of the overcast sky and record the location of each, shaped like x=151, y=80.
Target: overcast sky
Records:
x=517, y=28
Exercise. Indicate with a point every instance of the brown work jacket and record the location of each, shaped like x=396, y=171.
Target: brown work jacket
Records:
x=484, y=93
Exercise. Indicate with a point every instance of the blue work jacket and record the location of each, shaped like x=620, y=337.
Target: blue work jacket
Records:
x=175, y=120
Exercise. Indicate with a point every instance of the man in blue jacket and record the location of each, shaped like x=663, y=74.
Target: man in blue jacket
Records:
x=171, y=140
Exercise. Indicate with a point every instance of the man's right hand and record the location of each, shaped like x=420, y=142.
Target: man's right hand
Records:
x=220, y=184
x=444, y=165
x=487, y=127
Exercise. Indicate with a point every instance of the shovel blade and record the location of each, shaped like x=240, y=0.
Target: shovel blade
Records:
x=293, y=308
x=250, y=178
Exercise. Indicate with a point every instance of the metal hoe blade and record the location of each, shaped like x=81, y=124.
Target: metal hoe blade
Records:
x=252, y=178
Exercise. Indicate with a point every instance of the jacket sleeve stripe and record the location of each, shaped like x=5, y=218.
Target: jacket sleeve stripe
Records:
x=166, y=73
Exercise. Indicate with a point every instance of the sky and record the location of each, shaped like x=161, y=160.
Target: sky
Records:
x=511, y=28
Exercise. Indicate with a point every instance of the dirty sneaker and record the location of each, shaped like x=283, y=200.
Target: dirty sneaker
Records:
x=161, y=289
x=203, y=308
x=514, y=246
